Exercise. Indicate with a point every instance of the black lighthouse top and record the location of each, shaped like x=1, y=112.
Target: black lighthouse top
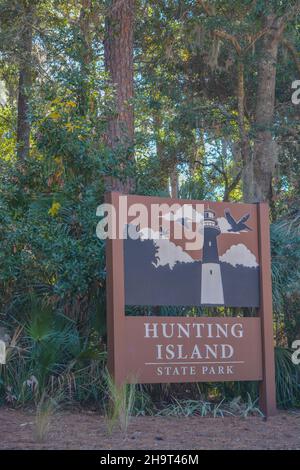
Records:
x=210, y=220
x=211, y=232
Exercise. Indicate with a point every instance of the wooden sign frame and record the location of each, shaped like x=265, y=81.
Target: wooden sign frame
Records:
x=120, y=327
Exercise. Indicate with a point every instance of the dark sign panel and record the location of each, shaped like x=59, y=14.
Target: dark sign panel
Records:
x=223, y=270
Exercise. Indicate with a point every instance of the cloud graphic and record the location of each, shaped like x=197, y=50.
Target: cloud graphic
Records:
x=239, y=255
x=167, y=252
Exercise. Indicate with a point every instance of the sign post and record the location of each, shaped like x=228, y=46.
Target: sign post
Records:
x=267, y=385
x=115, y=300
x=150, y=263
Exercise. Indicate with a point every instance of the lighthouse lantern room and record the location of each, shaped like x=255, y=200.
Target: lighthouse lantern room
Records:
x=211, y=279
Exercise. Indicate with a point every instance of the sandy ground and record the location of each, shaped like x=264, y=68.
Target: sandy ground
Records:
x=88, y=430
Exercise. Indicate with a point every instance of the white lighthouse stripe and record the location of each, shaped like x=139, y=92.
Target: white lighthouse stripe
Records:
x=211, y=285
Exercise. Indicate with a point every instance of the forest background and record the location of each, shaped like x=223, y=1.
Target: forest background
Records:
x=183, y=98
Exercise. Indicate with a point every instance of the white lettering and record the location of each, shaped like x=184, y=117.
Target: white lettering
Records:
x=151, y=329
x=237, y=330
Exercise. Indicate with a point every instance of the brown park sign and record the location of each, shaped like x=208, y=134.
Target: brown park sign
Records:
x=166, y=252
x=176, y=349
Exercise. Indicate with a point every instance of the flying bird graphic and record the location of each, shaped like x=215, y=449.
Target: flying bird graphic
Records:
x=237, y=226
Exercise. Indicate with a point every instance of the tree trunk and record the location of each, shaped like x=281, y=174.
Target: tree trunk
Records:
x=86, y=55
x=174, y=182
x=245, y=162
x=25, y=82
x=118, y=49
x=258, y=181
x=163, y=167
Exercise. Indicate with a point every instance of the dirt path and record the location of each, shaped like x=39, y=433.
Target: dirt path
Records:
x=87, y=430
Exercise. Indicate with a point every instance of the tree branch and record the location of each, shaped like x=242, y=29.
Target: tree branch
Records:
x=209, y=9
x=293, y=51
x=229, y=37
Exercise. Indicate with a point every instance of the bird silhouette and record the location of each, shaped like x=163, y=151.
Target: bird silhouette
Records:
x=237, y=226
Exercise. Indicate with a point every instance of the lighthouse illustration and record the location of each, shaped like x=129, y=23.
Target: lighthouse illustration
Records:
x=211, y=284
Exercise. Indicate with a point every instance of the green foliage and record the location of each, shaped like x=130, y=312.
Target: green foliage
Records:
x=50, y=352
x=7, y=135
x=237, y=407
x=121, y=399
x=285, y=239
x=52, y=266
x=45, y=409
x=54, y=253
x=287, y=379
